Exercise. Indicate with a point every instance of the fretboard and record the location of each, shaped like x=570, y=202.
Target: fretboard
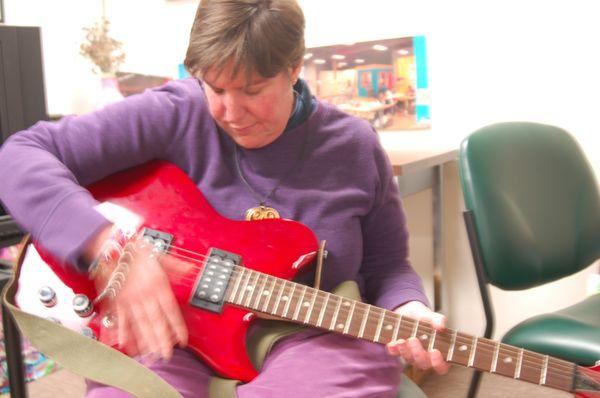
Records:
x=319, y=309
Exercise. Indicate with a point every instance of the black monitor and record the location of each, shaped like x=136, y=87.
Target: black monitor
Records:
x=22, y=95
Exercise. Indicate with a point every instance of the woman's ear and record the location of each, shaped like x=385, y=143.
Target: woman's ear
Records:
x=296, y=72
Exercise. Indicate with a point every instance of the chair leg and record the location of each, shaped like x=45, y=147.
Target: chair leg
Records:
x=483, y=290
x=474, y=386
x=14, y=358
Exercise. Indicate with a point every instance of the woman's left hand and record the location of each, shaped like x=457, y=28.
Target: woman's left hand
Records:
x=411, y=350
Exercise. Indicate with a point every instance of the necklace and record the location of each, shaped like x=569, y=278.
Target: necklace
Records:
x=262, y=211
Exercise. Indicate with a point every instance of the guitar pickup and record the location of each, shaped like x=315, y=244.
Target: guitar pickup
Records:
x=212, y=283
x=161, y=240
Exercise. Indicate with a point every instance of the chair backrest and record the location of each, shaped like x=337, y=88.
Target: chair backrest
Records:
x=535, y=202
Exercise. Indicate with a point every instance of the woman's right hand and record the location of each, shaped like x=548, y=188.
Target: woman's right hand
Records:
x=146, y=318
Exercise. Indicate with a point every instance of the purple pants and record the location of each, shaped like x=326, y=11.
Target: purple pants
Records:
x=306, y=364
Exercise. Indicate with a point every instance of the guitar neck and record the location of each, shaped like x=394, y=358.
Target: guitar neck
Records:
x=302, y=304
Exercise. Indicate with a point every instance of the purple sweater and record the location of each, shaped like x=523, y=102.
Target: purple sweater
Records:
x=341, y=186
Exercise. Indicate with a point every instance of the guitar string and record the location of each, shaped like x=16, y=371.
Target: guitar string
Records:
x=463, y=339
x=483, y=344
x=387, y=315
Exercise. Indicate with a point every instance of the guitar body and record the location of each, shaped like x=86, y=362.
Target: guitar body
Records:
x=163, y=198
x=594, y=373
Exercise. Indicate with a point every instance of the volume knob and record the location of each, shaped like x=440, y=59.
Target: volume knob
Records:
x=82, y=305
x=47, y=296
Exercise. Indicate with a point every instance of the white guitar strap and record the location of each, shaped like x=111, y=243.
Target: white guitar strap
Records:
x=83, y=355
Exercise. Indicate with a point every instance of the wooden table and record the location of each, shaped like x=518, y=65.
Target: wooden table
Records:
x=418, y=160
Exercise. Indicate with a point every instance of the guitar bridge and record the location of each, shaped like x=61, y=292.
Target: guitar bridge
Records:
x=211, y=286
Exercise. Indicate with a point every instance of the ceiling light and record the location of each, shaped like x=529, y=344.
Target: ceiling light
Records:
x=403, y=51
x=359, y=61
x=319, y=61
x=338, y=56
x=379, y=47
x=308, y=55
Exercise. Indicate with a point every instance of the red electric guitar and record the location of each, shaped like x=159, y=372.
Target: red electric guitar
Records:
x=239, y=268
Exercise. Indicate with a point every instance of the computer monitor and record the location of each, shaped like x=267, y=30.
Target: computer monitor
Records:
x=22, y=94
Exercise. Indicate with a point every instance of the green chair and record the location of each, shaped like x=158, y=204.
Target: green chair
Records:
x=533, y=216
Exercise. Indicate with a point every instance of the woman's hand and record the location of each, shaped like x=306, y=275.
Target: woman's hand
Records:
x=411, y=350
x=146, y=316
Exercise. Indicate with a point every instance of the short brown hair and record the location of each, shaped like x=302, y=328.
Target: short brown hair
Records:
x=264, y=36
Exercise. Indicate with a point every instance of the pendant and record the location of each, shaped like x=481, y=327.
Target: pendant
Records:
x=261, y=213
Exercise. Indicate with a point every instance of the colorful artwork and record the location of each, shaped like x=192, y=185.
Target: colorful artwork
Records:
x=383, y=81
x=36, y=365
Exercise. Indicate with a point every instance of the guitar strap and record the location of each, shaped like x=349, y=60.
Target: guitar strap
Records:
x=267, y=333
x=82, y=355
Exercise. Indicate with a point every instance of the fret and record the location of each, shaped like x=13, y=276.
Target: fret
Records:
x=432, y=340
x=305, y=303
x=242, y=290
x=344, y=314
x=322, y=313
x=349, y=320
x=506, y=364
x=238, y=279
x=452, y=344
x=397, y=327
x=270, y=296
x=251, y=289
x=260, y=290
x=495, y=358
x=288, y=300
x=544, y=371
x=299, y=303
x=379, y=326
x=312, y=305
x=472, y=353
x=519, y=363
x=561, y=374
x=335, y=314
x=415, y=328
x=387, y=327
x=281, y=283
x=364, y=322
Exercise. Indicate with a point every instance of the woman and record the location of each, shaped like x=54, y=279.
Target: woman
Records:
x=249, y=133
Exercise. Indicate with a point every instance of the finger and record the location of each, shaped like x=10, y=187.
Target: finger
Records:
x=438, y=363
x=142, y=334
x=156, y=330
x=174, y=318
x=393, y=348
x=126, y=335
x=420, y=356
x=437, y=320
x=161, y=329
x=405, y=352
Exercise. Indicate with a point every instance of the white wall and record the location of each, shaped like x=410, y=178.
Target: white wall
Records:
x=489, y=61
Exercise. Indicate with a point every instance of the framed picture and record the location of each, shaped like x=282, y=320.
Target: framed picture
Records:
x=382, y=81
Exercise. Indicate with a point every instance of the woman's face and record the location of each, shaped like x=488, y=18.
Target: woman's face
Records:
x=253, y=114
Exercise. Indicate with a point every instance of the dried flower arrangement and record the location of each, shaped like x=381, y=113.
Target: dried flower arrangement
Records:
x=103, y=51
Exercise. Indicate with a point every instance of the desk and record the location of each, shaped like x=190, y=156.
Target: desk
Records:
x=418, y=160
x=406, y=100
x=368, y=110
